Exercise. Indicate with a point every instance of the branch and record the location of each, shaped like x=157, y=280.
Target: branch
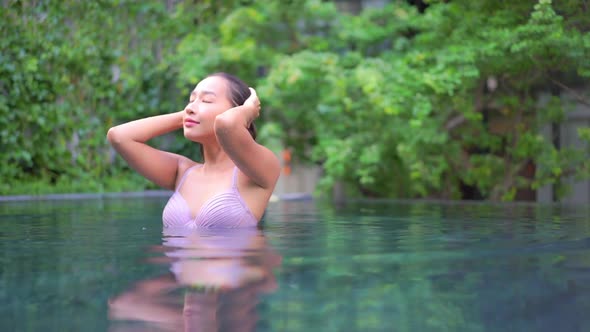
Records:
x=576, y=95
x=479, y=105
x=455, y=122
x=509, y=180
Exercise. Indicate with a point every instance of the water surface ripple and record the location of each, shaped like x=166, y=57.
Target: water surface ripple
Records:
x=108, y=265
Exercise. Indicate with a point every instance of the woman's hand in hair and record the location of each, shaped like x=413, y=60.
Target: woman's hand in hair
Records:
x=253, y=105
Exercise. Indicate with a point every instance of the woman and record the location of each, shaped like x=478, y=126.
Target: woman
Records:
x=233, y=185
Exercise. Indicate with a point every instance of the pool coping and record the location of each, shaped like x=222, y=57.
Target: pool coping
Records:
x=134, y=194
x=297, y=196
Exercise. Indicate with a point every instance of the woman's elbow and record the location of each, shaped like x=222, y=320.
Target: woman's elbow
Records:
x=223, y=124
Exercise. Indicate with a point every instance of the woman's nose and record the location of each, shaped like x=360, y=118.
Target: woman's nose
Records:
x=189, y=109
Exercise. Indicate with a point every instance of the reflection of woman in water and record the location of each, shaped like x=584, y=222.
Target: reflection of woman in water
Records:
x=215, y=281
x=233, y=185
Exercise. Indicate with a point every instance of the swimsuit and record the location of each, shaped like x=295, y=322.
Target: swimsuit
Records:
x=227, y=209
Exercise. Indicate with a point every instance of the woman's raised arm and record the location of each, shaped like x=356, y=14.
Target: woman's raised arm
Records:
x=256, y=161
x=129, y=139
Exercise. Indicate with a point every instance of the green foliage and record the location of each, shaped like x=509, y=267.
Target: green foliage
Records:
x=392, y=102
x=401, y=107
x=70, y=70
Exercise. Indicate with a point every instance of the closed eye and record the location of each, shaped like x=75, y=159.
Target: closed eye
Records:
x=192, y=100
x=203, y=94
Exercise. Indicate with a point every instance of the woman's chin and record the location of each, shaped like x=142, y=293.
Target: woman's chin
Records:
x=192, y=136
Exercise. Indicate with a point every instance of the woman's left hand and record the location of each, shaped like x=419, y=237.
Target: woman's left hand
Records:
x=253, y=104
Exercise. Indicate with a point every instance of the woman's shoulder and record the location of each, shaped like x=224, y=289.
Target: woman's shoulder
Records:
x=185, y=164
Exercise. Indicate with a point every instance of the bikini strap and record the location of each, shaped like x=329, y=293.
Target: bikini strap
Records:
x=234, y=181
x=185, y=174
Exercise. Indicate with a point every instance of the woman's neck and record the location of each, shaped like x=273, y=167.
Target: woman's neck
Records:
x=215, y=158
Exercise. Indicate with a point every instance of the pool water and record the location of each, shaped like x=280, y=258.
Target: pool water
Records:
x=108, y=265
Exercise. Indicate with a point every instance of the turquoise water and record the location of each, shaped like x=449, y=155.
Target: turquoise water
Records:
x=107, y=265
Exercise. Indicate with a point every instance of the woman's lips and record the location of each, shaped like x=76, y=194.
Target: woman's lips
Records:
x=190, y=123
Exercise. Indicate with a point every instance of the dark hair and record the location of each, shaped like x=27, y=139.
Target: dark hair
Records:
x=238, y=93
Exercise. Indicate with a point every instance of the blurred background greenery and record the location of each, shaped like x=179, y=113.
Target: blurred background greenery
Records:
x=455, y=99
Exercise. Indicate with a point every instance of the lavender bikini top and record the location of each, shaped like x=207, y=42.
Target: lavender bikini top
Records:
x=226, y=209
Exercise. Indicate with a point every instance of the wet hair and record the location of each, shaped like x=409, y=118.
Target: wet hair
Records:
x=238, y=93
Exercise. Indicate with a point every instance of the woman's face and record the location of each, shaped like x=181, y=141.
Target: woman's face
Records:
x=208, y=100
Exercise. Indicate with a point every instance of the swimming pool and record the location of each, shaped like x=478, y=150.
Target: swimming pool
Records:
x=106, y=264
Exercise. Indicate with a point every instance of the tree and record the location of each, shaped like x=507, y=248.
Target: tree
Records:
x=408, y=100
x=398, y=103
